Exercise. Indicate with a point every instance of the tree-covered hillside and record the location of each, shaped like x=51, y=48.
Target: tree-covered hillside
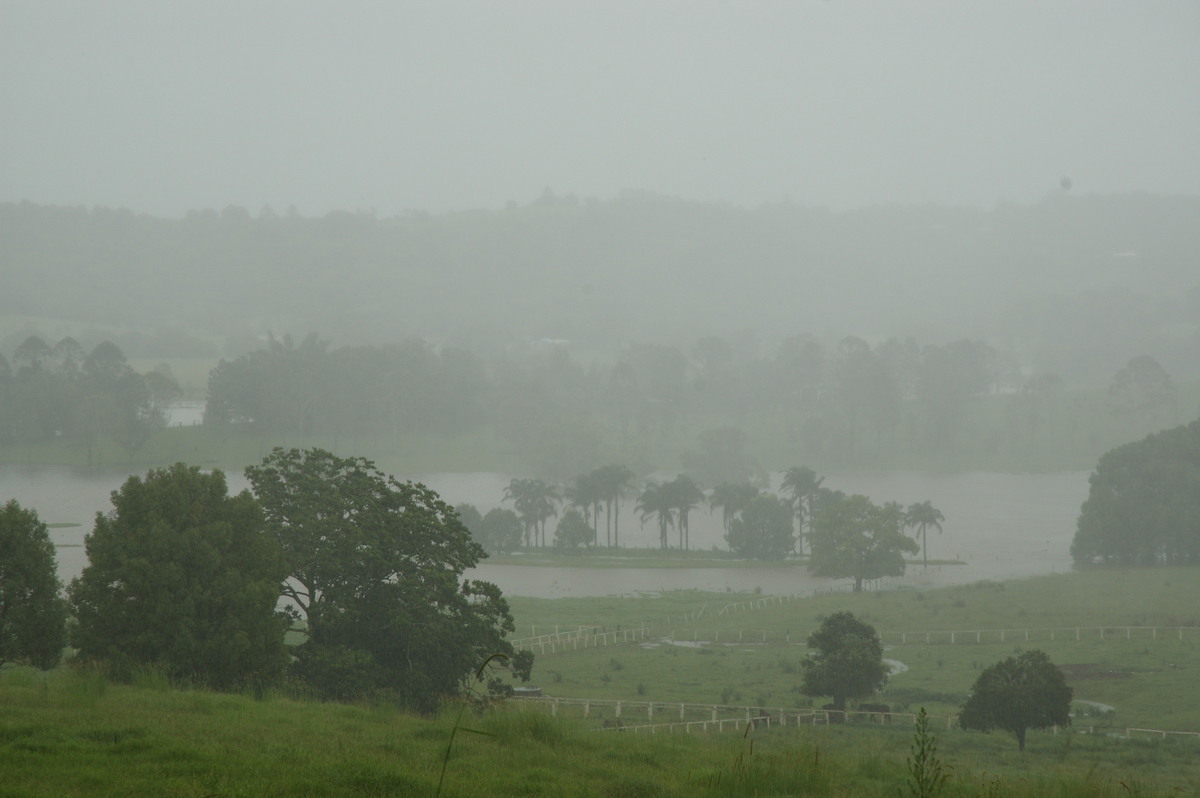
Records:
x=1075, y=286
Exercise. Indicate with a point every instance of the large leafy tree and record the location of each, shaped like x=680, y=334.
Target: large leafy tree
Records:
x=1143, y=506
x=845, y=660
x=1020, y=693
x=763, y=530
x=32, y=611
x=375, y=566
x=801, y=484
x=923, y=515
x=183, y=577
x=853, y=538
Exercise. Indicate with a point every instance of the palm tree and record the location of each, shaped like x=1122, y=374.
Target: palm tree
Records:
x=732, y=498
x=922, y=516
x=656, y=500
x=802, y=484
x=534, y=501
x=613, y=481
x=685, y=495
x=586, y=494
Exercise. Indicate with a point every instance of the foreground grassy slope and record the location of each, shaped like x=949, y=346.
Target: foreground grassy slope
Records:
x=70, y=734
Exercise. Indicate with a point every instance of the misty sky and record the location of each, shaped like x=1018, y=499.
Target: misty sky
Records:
x=163, y=107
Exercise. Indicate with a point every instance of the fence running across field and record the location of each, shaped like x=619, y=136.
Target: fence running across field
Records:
x=596, y=636
x=723, y=718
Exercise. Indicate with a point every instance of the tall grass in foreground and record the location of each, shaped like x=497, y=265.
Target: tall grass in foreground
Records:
x=73, y=734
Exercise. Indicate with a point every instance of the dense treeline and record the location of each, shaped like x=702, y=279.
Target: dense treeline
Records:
x=61, y=392
x=721, y=414
x=1143, y=507
x=1075, y=285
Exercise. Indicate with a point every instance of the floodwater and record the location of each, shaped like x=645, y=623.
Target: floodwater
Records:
x=1001, y=526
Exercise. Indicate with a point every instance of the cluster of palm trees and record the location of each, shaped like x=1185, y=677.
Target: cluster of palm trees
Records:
x=536, y=501
x=669, y=504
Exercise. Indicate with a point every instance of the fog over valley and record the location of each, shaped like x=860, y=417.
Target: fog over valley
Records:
x=823, y=371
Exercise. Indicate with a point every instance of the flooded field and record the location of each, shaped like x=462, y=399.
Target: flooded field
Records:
x=1000, y=525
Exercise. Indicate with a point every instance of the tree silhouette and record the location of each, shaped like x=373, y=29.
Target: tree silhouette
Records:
x=852, y=537
x=801, y=484
x=685, y=495
x=535, y=501
x=656, y=501
x=614, y=481
x=732, y=498
x=922, y=516
x=846, y=660
x=1020, y=693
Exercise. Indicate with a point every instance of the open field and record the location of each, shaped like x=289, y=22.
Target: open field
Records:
x=72, y=734
x=1134, y=637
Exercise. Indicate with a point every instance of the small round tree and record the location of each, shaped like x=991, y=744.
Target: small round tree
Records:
x=32, y=613
x=846, y=660
x=1023, y=692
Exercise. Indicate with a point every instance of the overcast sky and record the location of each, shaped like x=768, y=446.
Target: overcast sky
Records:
x=163, y=107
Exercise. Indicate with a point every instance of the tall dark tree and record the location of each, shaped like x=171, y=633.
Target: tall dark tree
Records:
x=535, y=502
x=376, y=567
x=1020, y=693
x=845, y=660
x=183, y=577
x=801, y=484
x=32, y=612
x=614, y=482
x=685, y=495
x=921, y=516
x=656, y=502
x=587, y=494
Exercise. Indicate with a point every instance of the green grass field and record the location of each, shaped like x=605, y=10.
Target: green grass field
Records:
x=1141, y=664
x=70, y=733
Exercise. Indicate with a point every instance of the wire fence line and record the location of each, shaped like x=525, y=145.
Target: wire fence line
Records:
x=623, y=715
x=596, y=637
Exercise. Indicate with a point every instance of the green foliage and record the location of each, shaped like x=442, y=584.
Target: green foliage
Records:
x=845, y=660
x=852, y=537
x=1143, y=506
x=573, y=531
x=1019, y=693
x=32, y=613
x=182, y=577
x=53, y=393
x=375, y=567
x=763, y=529
x=927, y=774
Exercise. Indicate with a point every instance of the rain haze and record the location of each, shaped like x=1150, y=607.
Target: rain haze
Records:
x=684, y=354
x=389, y=107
